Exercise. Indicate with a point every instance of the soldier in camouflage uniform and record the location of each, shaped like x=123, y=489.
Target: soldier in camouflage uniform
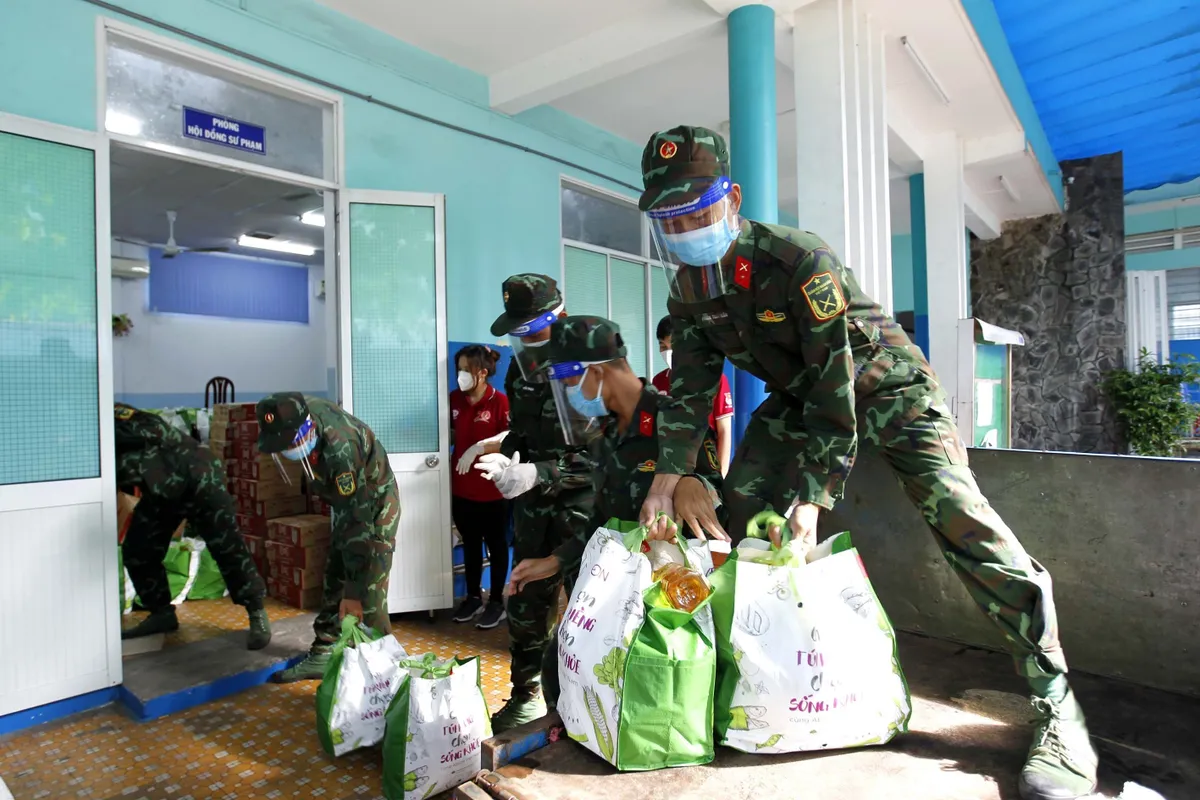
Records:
x=179, y=479
x=625, y=453
x=349, y=470
x=551, y=482
x=780, y=305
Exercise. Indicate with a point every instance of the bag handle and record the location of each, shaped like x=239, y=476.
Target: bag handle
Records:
x=758, y=525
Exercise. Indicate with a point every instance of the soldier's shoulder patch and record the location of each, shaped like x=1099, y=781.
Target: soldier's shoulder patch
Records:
x=710, y=450
x=646, y=424
x=124, y=414
x=771, y=316
x=823, y=296
x=345, y=484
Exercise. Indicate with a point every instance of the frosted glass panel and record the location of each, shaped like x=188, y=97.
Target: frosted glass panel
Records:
x=147, y=95
x=49, y=389
x=586, y=288
x=393, y=324
x=629, y=310
x=659, y=292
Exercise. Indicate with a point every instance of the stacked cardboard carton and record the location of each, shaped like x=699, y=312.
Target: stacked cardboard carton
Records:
x=259, y=487
x=297, y=548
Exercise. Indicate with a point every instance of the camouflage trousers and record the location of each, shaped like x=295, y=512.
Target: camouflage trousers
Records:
x=929, y=459
x=533, y=612
x=327, y=626
x=209, y=512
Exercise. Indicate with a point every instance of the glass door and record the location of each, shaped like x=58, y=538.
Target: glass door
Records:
x=392, y=325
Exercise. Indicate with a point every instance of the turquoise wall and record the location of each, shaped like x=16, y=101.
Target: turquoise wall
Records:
x=502, y=204
x=902, y=272
x=1168, y=219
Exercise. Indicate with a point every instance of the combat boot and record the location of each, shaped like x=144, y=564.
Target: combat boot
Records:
x=160, y=621
x=1062, y=762
x=521, y=708
x=260, y=629
x=312, y=668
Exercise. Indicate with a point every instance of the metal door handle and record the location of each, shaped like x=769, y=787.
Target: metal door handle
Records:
x=432, y=461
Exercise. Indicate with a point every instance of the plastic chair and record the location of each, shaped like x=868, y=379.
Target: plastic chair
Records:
x=222, y=391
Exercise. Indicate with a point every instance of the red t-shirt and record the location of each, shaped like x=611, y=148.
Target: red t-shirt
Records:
x=722, y=402
x=470, y=424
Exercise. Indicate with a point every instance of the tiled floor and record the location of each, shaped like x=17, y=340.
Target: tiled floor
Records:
x=205, y=619
x=259, y=744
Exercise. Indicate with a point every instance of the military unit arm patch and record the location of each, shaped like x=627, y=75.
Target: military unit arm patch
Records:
x=345, y=484
x=823, y=296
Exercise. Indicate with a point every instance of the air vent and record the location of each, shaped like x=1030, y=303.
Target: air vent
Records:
x=1191, y=237
x=1150, y=242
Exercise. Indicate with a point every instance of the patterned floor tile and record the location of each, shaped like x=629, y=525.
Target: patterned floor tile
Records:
x=258, y=744
x=200, y=620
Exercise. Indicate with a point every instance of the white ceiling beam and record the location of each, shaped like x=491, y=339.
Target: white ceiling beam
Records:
x=601, y=56
x=907, y=144
x=990, y=149
x=982, y=219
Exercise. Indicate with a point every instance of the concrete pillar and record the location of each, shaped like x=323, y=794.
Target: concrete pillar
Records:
x=754, y=150
x=842, y=138
x=946, y=257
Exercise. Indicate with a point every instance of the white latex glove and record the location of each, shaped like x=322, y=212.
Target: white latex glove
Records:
x=492, y=464
x=468, y=458
x=513, y=478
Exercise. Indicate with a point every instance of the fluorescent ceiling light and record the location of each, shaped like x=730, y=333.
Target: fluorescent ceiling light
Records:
x=924, y=70
x=116, y=122
x=1009, y=190
x=314, y=218
x=277, y=246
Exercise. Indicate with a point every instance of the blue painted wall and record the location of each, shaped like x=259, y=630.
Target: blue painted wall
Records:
x=502, y=204
x=902, y=272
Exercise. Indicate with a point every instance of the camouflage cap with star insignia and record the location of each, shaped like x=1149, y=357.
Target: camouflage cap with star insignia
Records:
x=679, y=164
x=526, y=296
x=280, y=416
x=585, y=339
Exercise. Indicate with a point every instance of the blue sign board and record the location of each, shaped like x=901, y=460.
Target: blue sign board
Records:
x=216, y=129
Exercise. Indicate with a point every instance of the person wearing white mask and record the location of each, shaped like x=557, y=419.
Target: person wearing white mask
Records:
x=479, y=418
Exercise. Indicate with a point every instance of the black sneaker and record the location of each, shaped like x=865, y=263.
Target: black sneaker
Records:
x=493, y=615
x=468, y=609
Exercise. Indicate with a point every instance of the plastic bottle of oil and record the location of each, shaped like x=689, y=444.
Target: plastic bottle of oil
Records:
x=685, y=588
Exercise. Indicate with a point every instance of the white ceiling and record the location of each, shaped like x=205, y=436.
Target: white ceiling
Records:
x=633, y=67
x=214, y=206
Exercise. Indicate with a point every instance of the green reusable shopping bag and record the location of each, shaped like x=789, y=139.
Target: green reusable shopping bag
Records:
x=637, y=676
x=435, y=726
x=352, y=635
x=208, y=585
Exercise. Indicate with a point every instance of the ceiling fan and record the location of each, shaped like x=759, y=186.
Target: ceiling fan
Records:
x=171, y=249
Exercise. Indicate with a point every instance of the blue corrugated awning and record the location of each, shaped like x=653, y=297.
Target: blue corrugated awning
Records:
x=1114, y=75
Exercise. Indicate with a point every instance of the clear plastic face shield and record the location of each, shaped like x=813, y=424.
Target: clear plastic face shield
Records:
x=302, y=446
x=693, y=237
x=577, y=398
x=529, y=345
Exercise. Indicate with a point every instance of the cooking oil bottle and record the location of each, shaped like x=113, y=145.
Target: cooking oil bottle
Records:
x=684, y=588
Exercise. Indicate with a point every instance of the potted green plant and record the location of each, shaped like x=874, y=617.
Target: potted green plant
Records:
x=1151, y=404
x=122, y=324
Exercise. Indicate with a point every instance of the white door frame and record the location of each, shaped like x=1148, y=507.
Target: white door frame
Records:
x=101, y=489
x=404, y=462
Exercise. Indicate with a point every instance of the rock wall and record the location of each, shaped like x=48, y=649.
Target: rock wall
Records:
x=1060, y=280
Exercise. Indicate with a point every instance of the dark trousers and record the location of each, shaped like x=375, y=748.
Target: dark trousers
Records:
x=480, y=523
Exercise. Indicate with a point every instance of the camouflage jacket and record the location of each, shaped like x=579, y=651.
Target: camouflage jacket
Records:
x=157, y=459
x=626, y=464
x=353, y=475
x=795, y=317
x=534, y=432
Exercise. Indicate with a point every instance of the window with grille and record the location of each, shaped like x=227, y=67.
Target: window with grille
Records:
x=1183, y=299
x=606, y=272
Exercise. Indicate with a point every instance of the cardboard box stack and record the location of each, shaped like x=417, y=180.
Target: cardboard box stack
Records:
x=259, y=489
x=297, y=548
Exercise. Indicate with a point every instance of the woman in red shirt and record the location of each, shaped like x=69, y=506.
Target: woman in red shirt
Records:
x=479, y=422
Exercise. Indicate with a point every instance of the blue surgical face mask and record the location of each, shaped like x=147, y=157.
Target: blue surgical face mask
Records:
x=702, y=246
x=304, y=443
x=588, y=408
